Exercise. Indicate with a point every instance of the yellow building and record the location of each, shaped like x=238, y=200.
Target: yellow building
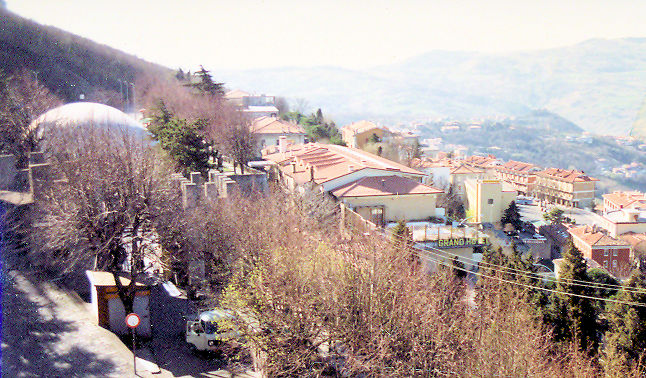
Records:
x=486, y=200
x=358, y=134
x=384, y=199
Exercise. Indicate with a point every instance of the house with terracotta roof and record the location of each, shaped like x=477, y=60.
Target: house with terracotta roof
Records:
x=565, y=187
x=360, y=133
x=378, y=189
x=520, y=175
x=618, y=200
x=384, y=199
x=268, y=131
x=612, y=254
x=487, y=163
x=330, y=166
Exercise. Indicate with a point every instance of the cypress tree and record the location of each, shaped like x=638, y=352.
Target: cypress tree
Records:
x=580, y=314
x=625, y=347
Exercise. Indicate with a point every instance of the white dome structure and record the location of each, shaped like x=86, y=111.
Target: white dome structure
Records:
x=86, y=114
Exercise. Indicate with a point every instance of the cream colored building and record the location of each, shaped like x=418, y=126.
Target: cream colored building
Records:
x=565, y=187
x=619, y=222
x=385, y=199
x=487, y=200
x=358, y=134
x=460, y=174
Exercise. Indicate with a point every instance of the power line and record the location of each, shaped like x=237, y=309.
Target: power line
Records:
x=426, y=253
x=637, y=304
x=528, y=274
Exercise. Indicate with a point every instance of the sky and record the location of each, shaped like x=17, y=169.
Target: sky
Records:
x=247, y=34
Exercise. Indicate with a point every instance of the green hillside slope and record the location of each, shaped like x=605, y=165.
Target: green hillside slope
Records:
x=67, y=64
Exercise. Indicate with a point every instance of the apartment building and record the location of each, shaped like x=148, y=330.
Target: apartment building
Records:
x=253, y=105
x=520, y=175
x=619, y=222
x=612, y=254
x=565, y=187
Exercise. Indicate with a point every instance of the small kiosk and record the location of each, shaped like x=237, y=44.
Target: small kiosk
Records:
x=108, y=308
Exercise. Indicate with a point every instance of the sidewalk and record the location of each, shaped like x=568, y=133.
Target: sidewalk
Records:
x=48, y=331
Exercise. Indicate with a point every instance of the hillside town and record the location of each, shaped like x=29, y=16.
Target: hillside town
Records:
x=353, y=213
x=375, y=183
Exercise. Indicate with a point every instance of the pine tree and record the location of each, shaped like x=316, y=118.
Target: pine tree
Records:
x=626, y=337
x=580, y=314
x=205, y=84
x=512, y=216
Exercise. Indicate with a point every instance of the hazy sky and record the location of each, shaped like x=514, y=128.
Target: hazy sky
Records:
x=350, y=33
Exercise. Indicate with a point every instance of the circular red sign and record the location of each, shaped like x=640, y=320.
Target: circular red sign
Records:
x=132, y=320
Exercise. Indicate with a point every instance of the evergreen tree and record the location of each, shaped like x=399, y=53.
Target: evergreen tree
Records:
x=182, y=140
x=626, y=337
x=206, y=85
x=512, y=216
x=576, y=314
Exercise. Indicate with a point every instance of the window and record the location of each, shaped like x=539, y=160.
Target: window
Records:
x=614, y=253
x=277, y=141
x=614, y=263
x=605, y=252
x=490, y=201
x=605, y=263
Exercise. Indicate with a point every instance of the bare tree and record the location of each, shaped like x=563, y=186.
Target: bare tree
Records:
x=109, y=190
x=22, y=99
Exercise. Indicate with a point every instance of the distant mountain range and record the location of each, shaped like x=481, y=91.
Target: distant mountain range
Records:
x=597, y=84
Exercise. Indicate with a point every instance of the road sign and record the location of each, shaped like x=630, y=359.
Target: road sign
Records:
x=132, y=320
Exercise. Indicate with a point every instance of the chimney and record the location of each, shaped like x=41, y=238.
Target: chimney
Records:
x=311, y=173
x=282, y=144
x=350, y=168
x=293, y=167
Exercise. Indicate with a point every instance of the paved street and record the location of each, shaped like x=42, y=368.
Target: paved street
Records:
x=50, y=331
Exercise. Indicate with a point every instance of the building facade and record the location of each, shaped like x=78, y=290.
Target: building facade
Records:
x=565, y=187
x=520, y=175
x=486, y=200
x=612, y=254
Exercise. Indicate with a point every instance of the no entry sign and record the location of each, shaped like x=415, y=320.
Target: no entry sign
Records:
x=132, y=320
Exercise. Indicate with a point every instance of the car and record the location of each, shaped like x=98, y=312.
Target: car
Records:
x=207, y=333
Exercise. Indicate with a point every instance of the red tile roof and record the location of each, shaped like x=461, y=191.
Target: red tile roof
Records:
x=465, y=170
x=328, y=161
x=518, y=167
x=566, y=175
x=383, y=186
x=627, y=199
x=360, y=127
x=593, y=237
x=273, y=125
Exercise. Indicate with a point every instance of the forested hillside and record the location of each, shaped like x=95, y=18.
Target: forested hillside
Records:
x=65, y=63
